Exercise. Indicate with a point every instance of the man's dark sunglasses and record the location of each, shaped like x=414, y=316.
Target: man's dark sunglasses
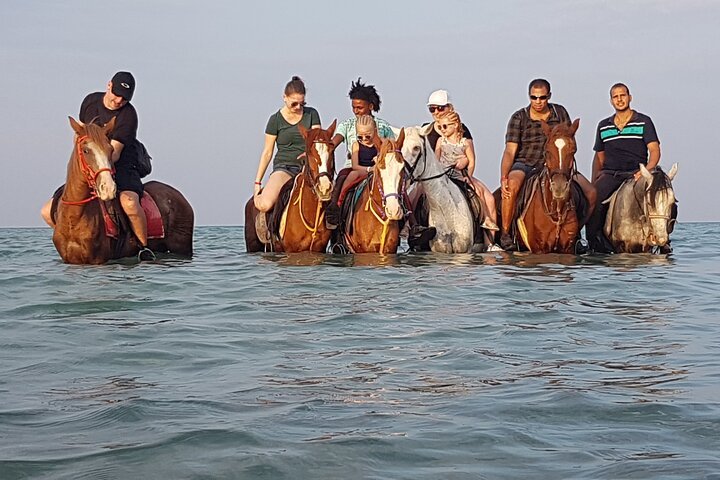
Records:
x=541, y=97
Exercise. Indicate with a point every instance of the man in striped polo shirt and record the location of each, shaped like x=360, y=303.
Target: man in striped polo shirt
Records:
x=622, y=142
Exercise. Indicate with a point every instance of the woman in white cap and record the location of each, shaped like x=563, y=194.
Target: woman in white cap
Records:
x=439, y=104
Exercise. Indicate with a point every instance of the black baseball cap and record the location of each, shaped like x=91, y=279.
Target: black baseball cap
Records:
x=123, y=85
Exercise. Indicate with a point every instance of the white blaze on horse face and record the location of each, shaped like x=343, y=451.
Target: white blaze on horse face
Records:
x=560, y=144
x=324, y=187
x=104, y=184
x=390, y=177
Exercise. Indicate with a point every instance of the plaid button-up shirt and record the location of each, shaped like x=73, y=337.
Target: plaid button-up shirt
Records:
x=528, y=133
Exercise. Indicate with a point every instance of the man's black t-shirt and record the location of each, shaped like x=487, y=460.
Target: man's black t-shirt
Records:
x=126, y=124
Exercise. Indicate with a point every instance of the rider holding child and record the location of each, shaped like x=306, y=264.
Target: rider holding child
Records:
x=456, y=151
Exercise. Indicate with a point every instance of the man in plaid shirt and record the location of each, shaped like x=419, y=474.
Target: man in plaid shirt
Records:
x=524, y=151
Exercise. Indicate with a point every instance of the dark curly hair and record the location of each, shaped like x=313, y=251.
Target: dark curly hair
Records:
x=360, y=91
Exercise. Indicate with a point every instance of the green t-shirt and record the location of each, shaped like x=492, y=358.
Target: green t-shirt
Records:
x=290, y=144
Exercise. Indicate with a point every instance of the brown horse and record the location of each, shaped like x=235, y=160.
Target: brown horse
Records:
x=80, y=230
x=549, y=220
x=375, y=227
x=302, y=225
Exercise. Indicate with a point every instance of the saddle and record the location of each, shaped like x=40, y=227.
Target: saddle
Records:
x=347, y=212
x=475, y=205
x=526, y=194
x=276, y=216
x=117, y=224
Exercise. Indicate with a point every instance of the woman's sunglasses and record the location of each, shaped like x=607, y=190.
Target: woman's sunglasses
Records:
x=295, y=104
x=437, y=108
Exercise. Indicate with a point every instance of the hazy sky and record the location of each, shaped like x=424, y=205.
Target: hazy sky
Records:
x=209, y=74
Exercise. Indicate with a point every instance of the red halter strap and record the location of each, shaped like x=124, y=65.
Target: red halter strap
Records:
x=90, y=174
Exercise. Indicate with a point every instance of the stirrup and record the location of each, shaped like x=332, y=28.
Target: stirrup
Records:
x=490, y=225
x=145, y=254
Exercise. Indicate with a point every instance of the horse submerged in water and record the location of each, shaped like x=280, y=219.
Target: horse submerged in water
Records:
x=297, y=222
x=83, y=228
x=639, y=217
x=445, y=204
x=374, y=225
x=549, y=221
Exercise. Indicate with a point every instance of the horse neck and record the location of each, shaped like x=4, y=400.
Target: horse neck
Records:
x=76, y=186
x=432, y=163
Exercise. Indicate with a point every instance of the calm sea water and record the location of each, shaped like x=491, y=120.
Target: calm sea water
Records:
x=416, y=366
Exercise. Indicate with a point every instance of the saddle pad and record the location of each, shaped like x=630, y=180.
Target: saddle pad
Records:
x=529, y=190
x=155, y=228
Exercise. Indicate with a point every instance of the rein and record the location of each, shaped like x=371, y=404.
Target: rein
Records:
x=378, y=210
x=411, y=169
x=88, y=172
x=312, y=182
x=646, y=217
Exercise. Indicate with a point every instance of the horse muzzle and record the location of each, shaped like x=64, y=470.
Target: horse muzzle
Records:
x=105, y=188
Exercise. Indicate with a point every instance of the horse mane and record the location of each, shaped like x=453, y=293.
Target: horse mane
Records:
x=660, y=183
x=386, y=146
x=96, y=133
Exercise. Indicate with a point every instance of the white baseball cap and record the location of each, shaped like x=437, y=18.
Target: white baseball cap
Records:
x=439, y=97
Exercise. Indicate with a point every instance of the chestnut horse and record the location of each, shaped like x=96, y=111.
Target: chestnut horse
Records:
x=375, y=227
x=549, y=220
x=80, y=233
x=302, y=226
x=639, y=218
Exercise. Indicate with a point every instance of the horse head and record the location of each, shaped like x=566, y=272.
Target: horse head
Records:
x=320, y=159
x=658, y=202
x=415, y=149
x=389, y=169
x=560, y=148
x=93, y=156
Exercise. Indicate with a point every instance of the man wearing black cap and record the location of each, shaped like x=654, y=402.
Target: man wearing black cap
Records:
x=100, y=108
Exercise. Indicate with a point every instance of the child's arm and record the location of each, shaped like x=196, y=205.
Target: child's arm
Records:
x=355, y=157
x=470, y=154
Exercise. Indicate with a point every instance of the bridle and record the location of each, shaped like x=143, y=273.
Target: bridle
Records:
x=558, y=214
x=647, y=218
x=378, y=208
x=312, y=182
x=410, y=169
x=90, y=174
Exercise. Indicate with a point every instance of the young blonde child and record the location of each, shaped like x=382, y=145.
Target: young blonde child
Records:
x=457, y=152
x=362, y=152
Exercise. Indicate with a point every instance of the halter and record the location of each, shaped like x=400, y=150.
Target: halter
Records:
x=88, y=172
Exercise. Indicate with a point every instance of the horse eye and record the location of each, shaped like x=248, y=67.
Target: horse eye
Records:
x=416, y=149
x=85, y=150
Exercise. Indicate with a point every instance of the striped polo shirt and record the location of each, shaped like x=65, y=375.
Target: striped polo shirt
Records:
x=625, y=149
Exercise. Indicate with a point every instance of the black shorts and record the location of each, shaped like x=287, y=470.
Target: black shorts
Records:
x=524, y=167
x=128, y=178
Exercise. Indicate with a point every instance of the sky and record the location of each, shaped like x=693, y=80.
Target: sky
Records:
x=209, y=74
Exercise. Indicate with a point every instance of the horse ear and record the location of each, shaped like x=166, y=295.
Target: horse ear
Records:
x=425, y=131
x=545, y=128
x=303, y=130
x=673, y=171
x=400, y=139
x=331, y=128
x=109, y=127
x=77, y=126
x=646, y=173
x=395, y=130
x=575, y=125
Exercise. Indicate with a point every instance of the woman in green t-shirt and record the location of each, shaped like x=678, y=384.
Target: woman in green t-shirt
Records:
x=281, y=130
